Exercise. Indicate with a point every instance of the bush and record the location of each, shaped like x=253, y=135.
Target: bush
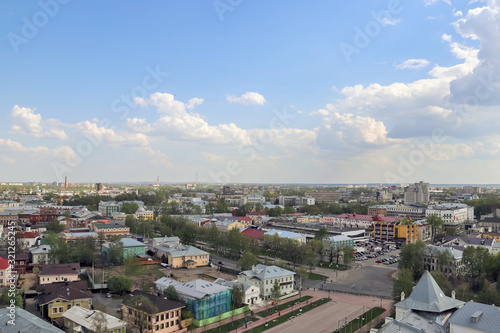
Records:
x=119, y=283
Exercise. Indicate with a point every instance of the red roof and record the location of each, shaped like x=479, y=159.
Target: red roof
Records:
x=254, y=233
x=4, y=263
x=27, y=234
x=257, y=213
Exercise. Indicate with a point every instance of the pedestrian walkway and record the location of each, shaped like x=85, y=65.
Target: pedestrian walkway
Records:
x=325, y=319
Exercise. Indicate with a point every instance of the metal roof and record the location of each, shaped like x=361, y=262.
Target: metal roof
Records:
x=25, y=322
x=427, y=296
x=267, y=272
x=195, y=289
x=85, y=317
x=487, y=317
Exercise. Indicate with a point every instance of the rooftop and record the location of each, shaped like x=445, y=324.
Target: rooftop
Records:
x=25, y=322
x=161, y=303
x=85, y=317
x=267, y=272
x=196, y=289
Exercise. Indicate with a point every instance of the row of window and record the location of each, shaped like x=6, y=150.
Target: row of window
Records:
x=167, y=315
x=56, y=279
x=167, y=324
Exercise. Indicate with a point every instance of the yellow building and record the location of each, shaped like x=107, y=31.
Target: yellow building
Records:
x=56, y=298
x=141, y=213
x=165, y=319
x=395, y=231
x=308, y=219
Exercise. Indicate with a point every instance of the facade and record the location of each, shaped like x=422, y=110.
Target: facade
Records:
x=295, y=200
x=111, y=229
x=84, y=320
x=204, y=299
x=55, y=299
x=328, y=219
x=131, y=247
x=141, y=213
x=491, y=223
x=166, y=320
x=308, y=219
x=40, y=254
x=434, y=254
x=324, y=196
x=415, y=212
x=253, y=199
x=107, y=208
x=182, y=256
x=252, y=292
x=58, y=273
x=27, y=239
x=360, y=221
x=25, y=323
x=417, y=193
x=5, y=272
x=339, y=241
x=264, y=277
x=396, y=231
x=452, y=213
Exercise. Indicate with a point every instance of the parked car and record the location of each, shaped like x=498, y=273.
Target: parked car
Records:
x=221, y=262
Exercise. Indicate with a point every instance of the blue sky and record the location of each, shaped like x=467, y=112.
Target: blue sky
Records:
x=364, y=84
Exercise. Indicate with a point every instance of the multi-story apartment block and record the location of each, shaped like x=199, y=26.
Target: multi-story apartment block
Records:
x=415, y=212
x=452, y=213
x=395, y=232
x=417, y=193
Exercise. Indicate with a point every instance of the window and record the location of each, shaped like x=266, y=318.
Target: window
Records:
x=172, y=323
x=157, y=319
x=162, y=317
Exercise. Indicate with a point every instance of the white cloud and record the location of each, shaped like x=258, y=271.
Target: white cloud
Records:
x=431, y=2
x=11, y=146
x=390, y=21
x=248, y=98
x=110, y=136
x=26, y=122
x=193, y=102
x=413, y=64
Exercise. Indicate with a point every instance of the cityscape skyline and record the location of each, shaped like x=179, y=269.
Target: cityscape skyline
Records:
x=250, y=92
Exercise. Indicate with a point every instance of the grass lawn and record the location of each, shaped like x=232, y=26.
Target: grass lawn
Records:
x=360, y=321
x=314, y=276
x=207, y=277
x=340, y=267
x=283, y=306
x=282, y=319
x=231, y=325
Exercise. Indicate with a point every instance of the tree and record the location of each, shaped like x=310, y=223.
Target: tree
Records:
x=131, y=222
x=488, y=294
x=119, y=283
x=348, y=254
x=474, y=260
x=145, y=308
x=276, y=292
x=411, y=258
x=171, y=293
x=5, y=298
x=237, y=296
x=403, y=283
x=318, y=247
x=248, y=259
x=129, y=207
x=55, y=226
x=437, y=224
x=464, y=293
x=443, y=282
x=116, y=252
x=321, y=234
x=99, y=322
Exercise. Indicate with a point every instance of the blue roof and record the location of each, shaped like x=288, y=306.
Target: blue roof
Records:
x=284, y=234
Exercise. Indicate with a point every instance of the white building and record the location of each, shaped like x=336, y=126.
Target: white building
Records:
x=85, y=320
x=251, y=292
x=264, y=277
x=452, y=213
x=253, y=199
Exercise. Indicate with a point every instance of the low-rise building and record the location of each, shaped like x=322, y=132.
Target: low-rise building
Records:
x=131, y=247
x=56, y=298
x=166, y=318
x=463, y=242
x=5, y=272
x=40, y=254
x=475, y=317
x=443, y=259
x=182, y=256
x=58, y=273
x=204, y=299
x=78, y=319
x=452, y=213
x=264, y=277
x=340, y=241
x=111, y=229
x=141, y=213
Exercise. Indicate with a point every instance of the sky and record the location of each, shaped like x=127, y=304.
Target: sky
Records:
x=239, y=91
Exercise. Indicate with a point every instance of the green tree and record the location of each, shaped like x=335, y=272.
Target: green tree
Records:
x=488, y=294
x=237, y=296
x=276, y=292
x=321, y=234
x=119, y=283
x=403, y=283
x=411, y=258
x=5, y=298
x=55, y=226
x=348, y=254
x=437, y=224
x=248, y=259
x=131, y=222
x=116, y=252
x=171, y=293
x=474, y=260
x=129, y=207
x=464, y=293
